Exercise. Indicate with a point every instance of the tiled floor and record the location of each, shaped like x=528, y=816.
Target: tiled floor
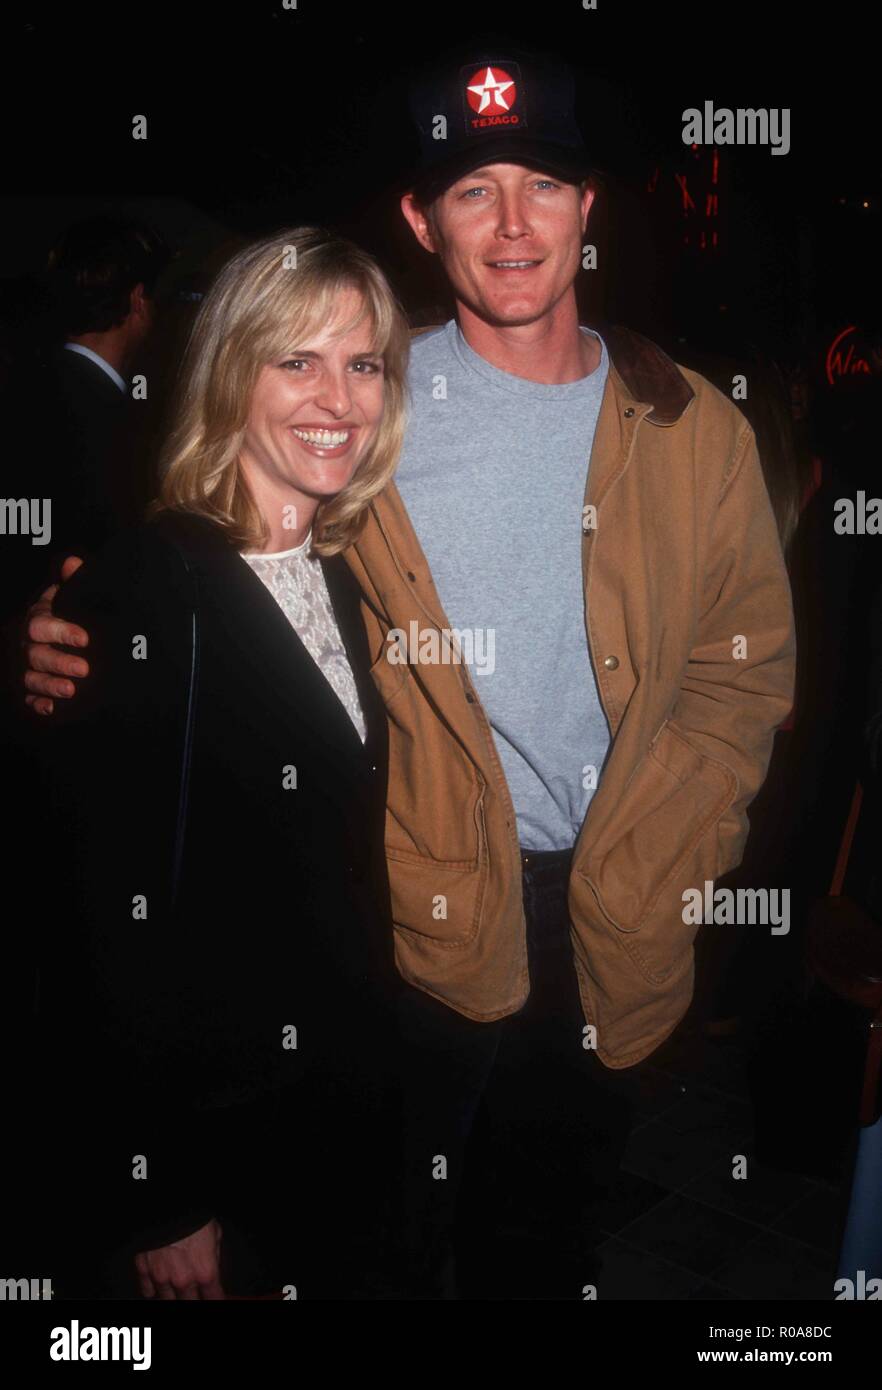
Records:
x=694, y=1215
x=680, y=1223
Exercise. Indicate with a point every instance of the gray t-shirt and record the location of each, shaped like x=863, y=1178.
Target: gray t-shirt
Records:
x=493, y=476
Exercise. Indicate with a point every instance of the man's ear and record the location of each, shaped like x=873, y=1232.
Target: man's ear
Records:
x=418, y=221
x=587, y=200
x=138, y=301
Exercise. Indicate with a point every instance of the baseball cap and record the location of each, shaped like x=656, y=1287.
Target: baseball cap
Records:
x=503, y=106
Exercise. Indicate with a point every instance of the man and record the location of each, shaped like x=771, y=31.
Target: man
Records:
x=105, y=272
x=102, y=275
x=595, y=666
x=73, y=432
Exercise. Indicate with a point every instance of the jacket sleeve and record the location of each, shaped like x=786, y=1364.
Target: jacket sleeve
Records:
x=112, y=968
x=738, y=683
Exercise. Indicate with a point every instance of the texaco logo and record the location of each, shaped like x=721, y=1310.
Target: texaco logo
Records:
x=492, y=96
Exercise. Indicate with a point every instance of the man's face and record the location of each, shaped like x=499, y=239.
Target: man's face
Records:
x=509, y=239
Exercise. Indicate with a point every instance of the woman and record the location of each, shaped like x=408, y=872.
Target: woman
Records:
x=219, y=783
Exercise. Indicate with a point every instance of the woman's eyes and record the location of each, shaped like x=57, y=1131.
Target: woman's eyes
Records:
x=299, y=363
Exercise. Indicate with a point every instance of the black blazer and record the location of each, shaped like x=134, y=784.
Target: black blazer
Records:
x=70, y=435
x=85, y=453
x=282, y=918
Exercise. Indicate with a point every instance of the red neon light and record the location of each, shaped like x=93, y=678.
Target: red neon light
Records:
x=835, y=366
x=687, y=201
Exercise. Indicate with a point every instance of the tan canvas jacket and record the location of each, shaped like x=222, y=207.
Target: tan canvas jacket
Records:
x=689, y=624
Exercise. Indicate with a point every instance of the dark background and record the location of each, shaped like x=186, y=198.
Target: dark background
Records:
x=260, y=116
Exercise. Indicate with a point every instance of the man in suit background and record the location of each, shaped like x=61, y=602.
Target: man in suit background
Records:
x=103, y=274
x=72, y=433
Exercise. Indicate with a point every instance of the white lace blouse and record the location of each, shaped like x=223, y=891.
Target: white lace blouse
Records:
x=298, y=585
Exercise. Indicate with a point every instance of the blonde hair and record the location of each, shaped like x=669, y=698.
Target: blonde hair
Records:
x=265, y=303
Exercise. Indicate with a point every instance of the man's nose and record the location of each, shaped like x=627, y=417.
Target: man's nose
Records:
x=513, y=218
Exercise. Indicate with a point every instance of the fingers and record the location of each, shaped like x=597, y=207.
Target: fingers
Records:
x=38, y=684
x=51, y=672
x=193, y=1292
x=47, y=667
x=43, y=627
x=166, y=1283
x=39, y=704
x=187, y=1269
x=70, y=566
x=45, y=599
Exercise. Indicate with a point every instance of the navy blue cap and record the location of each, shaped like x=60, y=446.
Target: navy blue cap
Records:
x=503, y=107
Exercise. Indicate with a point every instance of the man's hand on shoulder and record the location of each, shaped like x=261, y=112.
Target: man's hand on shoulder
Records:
x=49, y=671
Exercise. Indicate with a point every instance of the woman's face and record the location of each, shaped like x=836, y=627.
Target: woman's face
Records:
x=314, y=413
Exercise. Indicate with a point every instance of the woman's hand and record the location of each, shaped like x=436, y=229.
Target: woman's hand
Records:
x=188, y=1268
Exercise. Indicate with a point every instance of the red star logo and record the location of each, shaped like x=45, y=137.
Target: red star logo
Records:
x=491, y=91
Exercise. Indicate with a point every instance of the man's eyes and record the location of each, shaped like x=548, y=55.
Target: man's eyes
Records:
x=481, y=188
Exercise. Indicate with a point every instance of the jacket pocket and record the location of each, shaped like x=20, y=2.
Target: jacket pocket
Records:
x=664, y=839
x=435, y=837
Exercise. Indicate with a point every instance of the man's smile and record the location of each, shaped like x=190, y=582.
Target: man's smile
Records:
x=518, y=266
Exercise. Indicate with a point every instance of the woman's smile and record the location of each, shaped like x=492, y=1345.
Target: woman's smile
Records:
x=324, y=442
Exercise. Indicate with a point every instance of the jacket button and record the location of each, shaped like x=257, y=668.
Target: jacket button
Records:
x=611, y=663
x=470, y=697
x=629, y=412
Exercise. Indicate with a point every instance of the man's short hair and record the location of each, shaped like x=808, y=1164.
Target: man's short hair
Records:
x=94, y=267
